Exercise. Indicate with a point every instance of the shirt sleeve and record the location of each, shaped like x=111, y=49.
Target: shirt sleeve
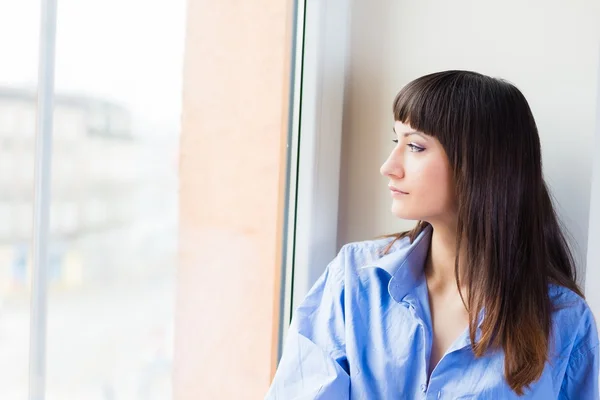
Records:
x=581, y=377
x=313, y=364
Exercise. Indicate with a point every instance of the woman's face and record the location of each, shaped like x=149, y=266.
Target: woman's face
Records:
x=420, y=177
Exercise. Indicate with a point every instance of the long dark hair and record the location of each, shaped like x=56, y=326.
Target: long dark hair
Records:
x=515, y=245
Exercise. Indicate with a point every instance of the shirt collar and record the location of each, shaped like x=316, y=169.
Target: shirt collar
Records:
x=405, y=264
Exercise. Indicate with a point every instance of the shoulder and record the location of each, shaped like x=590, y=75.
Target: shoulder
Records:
x=364, y=251
x=570, y=309
x=355, y=255
x=361, y=262
x=573, y=322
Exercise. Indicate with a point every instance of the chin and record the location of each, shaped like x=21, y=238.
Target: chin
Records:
x=403, y=213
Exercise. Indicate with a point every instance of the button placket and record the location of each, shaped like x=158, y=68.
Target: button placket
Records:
x=408, y=302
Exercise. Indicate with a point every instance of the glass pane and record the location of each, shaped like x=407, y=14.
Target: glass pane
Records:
x=114, y=199
x=18, y=79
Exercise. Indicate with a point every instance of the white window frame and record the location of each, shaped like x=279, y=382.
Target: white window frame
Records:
x=321, y=58
x=41, y=202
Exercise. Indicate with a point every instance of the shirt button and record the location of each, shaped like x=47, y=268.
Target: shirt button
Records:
x=439, y=396
x=423, y=388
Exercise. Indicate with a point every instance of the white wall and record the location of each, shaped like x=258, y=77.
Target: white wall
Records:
x=592, y=281
x=549, y=49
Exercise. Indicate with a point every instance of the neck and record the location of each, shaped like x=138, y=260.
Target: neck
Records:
x=441, y=259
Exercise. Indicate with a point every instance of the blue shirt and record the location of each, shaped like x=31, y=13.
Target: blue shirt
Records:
x=364, y=332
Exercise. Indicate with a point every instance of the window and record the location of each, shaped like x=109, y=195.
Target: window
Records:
x=111, y=250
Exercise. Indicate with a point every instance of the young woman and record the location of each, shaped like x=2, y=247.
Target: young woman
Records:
x=479, y=300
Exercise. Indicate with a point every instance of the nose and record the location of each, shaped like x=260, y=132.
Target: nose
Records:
x=392, y=167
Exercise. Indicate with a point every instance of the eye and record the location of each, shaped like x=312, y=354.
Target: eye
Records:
x=414, y=148
x=395, y=140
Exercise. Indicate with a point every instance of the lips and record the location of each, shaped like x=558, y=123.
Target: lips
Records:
x=396, y=190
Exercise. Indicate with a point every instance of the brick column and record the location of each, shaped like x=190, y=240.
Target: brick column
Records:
x=232, y=175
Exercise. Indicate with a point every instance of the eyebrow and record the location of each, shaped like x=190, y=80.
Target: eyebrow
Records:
x=407, y=134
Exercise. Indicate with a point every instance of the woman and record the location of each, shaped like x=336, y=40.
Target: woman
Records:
x=479, y=300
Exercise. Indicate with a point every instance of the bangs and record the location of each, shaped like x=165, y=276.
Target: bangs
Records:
x=438, y=104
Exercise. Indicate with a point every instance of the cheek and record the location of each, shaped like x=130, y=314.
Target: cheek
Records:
x=435, y=183
x=431, y=192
